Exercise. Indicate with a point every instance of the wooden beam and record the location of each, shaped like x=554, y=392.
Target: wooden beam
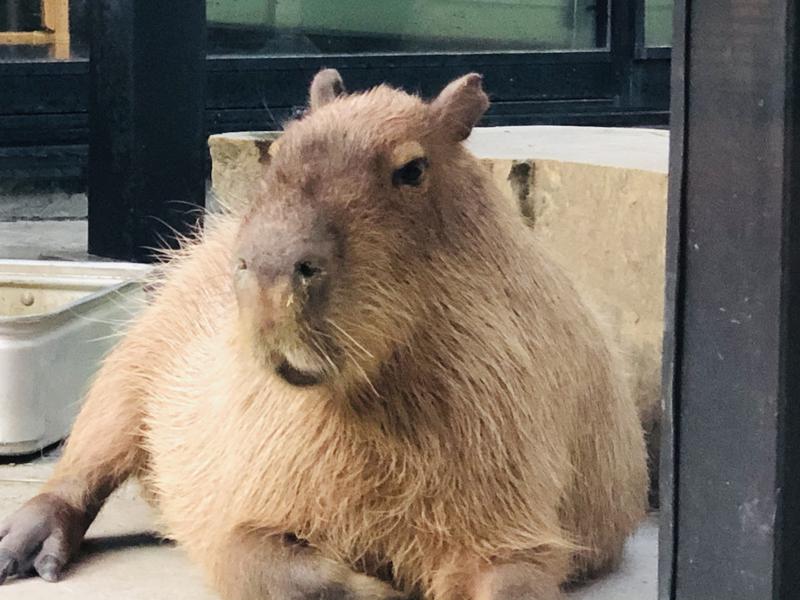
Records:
x=26, y=38
x=55, y=24
x=55, y=18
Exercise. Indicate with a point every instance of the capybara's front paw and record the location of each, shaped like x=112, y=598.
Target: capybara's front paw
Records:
x=43, y=536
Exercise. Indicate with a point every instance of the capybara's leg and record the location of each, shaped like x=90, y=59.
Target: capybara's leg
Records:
x=251, y=565
x=102, y=451
x=518, y=581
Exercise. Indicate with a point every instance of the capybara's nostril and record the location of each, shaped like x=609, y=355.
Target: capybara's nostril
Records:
x=310, y=280
x=241, y=265
x=308, y=270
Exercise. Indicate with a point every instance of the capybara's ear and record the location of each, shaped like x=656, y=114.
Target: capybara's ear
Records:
x=326, y=86
x=460, y=105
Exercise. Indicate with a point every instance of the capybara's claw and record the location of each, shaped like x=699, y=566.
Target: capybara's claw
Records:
x=42, y=536
x=49, y=568
x=8, y=566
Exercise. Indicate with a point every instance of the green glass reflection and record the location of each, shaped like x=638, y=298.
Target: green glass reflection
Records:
x=658, y=22
x=322, y=26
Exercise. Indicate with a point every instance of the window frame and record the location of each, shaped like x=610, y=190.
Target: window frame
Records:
x=44, y=120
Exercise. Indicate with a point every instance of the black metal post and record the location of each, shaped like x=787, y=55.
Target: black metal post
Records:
x=731, y=478
x=622, y=46
x=147, y=135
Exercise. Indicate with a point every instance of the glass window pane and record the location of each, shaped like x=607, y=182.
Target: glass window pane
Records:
x=658, y=22
x=359, y=26
x=43, y=29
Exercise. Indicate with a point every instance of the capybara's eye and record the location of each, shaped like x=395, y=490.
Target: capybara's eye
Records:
x=410, y=173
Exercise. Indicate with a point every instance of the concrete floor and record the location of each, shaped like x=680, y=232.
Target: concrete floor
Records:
x=120, y=560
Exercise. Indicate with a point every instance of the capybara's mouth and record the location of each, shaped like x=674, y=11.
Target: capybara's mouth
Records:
x=299, y=360
x=295, y=376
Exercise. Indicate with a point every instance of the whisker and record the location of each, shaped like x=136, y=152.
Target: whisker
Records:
x=360, y=369
x=324, y=354
x=363, y=373
x=351, y=338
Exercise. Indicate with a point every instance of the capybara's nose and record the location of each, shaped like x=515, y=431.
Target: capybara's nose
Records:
x=284, y=285
x=266, y=306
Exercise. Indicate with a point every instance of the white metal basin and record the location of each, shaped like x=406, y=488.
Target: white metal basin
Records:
x=57, y=321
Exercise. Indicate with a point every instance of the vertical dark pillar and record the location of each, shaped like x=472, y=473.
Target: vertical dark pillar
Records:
x=622, y=43
x=731, y=484
x=147, y=135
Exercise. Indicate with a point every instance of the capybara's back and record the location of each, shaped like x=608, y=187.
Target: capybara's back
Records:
x=369, y=383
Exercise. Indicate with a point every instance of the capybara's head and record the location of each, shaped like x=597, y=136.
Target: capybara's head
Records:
x=337, y=255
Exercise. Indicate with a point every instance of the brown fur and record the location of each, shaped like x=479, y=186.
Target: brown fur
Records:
x=471, y=422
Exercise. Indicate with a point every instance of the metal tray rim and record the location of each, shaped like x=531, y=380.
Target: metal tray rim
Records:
x=119, y=283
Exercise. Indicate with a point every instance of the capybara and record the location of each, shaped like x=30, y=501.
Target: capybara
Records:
x=369, y=383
